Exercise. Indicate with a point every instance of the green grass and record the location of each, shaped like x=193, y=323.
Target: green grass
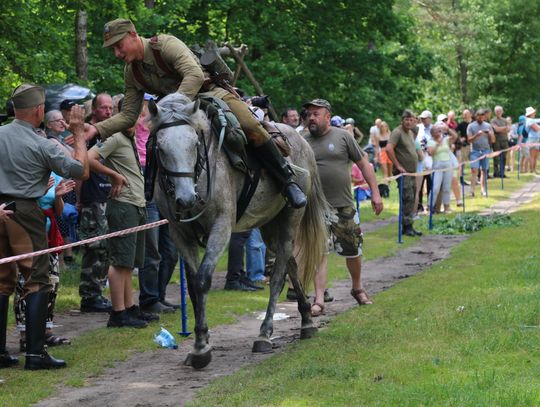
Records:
x=419, y=315
x=463, y=333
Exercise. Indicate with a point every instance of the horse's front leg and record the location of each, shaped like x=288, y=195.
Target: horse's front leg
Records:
x=200, y=285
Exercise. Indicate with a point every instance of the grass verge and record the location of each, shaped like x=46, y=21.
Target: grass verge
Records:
x=463, y=333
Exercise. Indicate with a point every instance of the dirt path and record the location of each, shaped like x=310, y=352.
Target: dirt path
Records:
x=158, y=378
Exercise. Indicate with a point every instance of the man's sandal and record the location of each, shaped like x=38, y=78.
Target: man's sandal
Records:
x=317, y=312
x=361, y=297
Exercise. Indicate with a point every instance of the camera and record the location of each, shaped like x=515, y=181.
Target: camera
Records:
x=261, y=101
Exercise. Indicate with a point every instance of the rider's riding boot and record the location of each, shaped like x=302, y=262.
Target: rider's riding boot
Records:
x=6, y=360
x=274, y=162
x=36, y=313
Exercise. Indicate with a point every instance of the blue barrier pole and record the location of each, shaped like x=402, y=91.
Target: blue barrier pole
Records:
x=462, y=180
x=184, y=331
x=400, y=217
x=519, y=161
x=502, y=164
x=431, y=202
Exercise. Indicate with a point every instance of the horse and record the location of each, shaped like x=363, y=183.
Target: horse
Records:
x=197, y=191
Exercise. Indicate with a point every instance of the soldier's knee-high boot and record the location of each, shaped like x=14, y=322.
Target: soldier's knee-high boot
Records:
x=36, y=313
x=5, y=359
x=274, y=162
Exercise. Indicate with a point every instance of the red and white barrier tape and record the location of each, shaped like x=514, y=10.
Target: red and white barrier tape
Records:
x=82, y=242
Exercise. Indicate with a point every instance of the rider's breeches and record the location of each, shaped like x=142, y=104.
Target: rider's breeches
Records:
x=255, y=132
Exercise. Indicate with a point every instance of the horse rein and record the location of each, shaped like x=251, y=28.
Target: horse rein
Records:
x=199, y=167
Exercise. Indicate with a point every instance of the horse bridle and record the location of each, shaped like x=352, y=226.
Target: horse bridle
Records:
x=201, y=164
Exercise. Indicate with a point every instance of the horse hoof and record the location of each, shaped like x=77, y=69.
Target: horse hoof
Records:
x=262, y=346
x=308, y=333
x=199, y=359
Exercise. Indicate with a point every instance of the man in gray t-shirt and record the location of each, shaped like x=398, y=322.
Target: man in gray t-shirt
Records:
x=334, y=150
x=479, y=135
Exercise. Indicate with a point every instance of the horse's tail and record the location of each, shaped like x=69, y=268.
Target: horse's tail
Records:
x=311, y=241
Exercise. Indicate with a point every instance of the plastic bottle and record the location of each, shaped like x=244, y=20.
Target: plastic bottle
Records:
x=165, y=339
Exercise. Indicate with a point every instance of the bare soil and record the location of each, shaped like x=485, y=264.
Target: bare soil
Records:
x=158, y=378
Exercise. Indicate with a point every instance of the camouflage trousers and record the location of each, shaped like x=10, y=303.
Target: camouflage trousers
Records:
x=19, y=303
x=408, y=197
x=95, y=258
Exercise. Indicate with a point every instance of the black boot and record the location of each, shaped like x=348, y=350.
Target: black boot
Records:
x=5, y=359
x=37, y=357
x=274, y=162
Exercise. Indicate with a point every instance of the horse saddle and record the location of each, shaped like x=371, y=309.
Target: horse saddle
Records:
x=236, y=148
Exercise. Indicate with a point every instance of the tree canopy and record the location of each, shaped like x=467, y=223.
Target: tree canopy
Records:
x=369, y=59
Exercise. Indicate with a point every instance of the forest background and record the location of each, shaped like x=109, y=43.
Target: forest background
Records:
x=368, y=58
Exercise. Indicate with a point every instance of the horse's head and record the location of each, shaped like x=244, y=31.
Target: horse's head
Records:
x=179, y=127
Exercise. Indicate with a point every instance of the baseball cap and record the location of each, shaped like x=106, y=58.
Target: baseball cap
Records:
x=442, y=117
x=115, y=30
x=27, y=95
x=426, y=114
x=336, y=121
x=319, y=103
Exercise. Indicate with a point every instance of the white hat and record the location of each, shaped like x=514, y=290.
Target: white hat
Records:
x=441, y=117
x=530, y=110
x=425, y=114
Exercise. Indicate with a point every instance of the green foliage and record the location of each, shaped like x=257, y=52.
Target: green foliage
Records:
x=362, y=56
x=467, y=223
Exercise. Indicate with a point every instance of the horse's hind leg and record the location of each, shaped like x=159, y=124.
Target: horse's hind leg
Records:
x=308, y=330
x=263, y=343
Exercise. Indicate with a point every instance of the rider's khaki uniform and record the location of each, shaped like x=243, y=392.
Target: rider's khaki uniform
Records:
x=187, y=78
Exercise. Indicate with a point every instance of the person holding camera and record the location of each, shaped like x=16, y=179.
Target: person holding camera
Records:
x=25, y=168
x=480, y=135
x=162, y=65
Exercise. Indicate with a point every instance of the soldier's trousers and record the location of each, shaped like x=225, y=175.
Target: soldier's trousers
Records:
x=408, y=197
x=95, y=259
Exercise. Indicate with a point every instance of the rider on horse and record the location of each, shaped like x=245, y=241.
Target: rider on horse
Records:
x=163, y=64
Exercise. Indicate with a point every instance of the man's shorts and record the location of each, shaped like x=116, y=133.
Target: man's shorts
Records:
x=533, y=140
x=345, y=234
x=127, y=250
x=484, y=162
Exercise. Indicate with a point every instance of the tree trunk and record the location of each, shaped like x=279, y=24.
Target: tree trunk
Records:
x=462, y=74
x=81, y=49
x=149, y=3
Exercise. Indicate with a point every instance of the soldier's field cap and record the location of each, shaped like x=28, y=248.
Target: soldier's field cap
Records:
x=115, y=30
x=319, y=103
x=28, y=95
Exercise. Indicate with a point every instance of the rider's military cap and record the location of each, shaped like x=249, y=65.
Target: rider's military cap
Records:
x=319, y=103
x=28, y=95
x=115, y=30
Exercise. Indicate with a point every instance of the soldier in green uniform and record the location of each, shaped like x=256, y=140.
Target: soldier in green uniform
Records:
x=25, y=168
x=163, y=65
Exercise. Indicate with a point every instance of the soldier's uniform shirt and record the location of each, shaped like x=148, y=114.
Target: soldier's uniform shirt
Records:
x=334, y=152
x=187, y=79
x=404, y=148
x=27, y=161
x=25, y=168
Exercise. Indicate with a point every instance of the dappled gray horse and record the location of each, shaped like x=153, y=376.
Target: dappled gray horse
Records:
x=197, y=192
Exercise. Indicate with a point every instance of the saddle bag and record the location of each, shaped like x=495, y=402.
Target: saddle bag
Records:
x=235, y=138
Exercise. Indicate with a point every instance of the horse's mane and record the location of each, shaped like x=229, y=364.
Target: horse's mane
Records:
x=177, y=106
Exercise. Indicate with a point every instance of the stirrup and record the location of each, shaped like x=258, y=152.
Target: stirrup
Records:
x=292, y=189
